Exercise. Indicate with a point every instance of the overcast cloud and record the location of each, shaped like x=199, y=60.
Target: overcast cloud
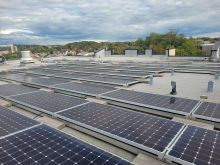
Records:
x=62, y=21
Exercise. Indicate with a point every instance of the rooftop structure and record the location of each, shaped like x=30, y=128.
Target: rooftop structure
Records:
x=110, y=112
x=5, y=49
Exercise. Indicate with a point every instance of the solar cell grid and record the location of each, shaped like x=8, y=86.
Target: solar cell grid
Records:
x=13, y=89
x=196, y=146
x=128, y=74
x=42, y=145
x=161, y=102
x=16, y=76
x=44, y=71
x=110, y=80
x=208, y=111
x=47, y=81
x=11, y=122
x=47, y=101
x=85, y=88
x=143, y=131
x=71, y=75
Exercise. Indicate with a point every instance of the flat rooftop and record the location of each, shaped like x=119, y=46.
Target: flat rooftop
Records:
x=115, y=87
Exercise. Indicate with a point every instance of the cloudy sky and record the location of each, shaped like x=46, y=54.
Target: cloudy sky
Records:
x=62, y=21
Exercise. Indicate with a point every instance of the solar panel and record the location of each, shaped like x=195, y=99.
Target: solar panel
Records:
x=165, y=103
x=128, y=73
x=11, y=122
x=110, y=80
x=43, y=145
x=208, y=111
x=84, y=88
x=196, y=146
x=47, y=102
x=43, y=71
x=13, y=89
x=146, y=132
x=16, y=77
x=70, y=75
x=41, y=81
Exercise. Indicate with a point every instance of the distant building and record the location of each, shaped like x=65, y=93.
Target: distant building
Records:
x=215, y=52
x=207, y=47
x=131, y=52
x=148, y=52
x=171, y=52
x=5, y=49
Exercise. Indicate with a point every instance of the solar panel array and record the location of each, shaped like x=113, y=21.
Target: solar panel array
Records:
x=33, y=79
x=160, y=102
x=13, y=89
x=146, y=132
x=11, y=122
x=196, y=146
x=41, y=81
x=129, y=73
x=16, y=77
x=111, y=80
x=208, y=111
x=84, y=88
x=47, y=102
x=70, y=75
x=43, y=145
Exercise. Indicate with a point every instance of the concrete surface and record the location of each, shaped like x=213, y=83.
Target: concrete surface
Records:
x=15, y=64
x=193, y=123
x=3, y=82
x=100, y=144
x=23, y=112
x=46, y=89
x=189, y=85
x=51, y=122
x=96, y=100
x=142, y=159
x=5, y=103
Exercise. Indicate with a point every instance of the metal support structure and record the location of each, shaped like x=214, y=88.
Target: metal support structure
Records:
x=172, y=72
x=151, y=80
x=210, y=86
x=173, y=91
x=216, y=75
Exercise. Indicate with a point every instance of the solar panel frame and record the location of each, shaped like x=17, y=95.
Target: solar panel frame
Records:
x=129, y=74
x=201, y=113
x=71, y=76
x=104, y=96
x=80, y=85
x=45, y=82
x=12, y=122
x=7, y=90
x=95, y=78
x=45, y=145
x=43, y=109
x=43, y=72
x=200, y=136
x=116, y=137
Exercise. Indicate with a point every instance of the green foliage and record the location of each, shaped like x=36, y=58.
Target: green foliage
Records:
x=156, y=41
x=190, y=47
x=12, y=56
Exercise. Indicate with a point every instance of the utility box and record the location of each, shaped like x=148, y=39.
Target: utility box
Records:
x=148, y=52
x=26, y=57
x=108, y=53
x=171, y=52
x=131, y=52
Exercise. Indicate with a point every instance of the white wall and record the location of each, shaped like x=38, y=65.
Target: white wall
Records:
x=108, y=53
x=131, y=52
x=100, y=53
x=148, y=52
